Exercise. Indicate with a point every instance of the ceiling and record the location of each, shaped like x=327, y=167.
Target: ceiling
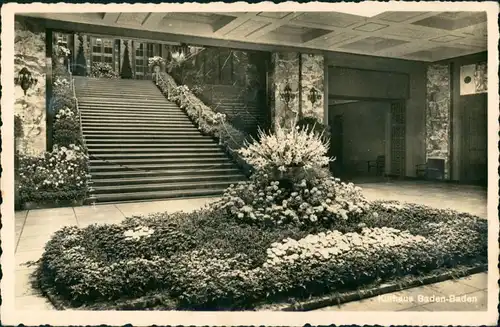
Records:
x=412, y=35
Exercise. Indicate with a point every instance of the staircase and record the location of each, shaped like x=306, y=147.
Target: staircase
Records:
x=144, y=147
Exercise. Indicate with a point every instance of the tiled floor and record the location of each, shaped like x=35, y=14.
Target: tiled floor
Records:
x=34, y=228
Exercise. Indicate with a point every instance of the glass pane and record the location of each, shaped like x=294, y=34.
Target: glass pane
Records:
x=96, y=58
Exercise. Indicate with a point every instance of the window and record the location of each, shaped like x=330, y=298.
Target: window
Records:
x=150, y=50
x=108, y=46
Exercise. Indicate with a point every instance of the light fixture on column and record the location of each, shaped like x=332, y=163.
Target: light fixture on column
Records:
x=25, y=79
x=287, y=95
x=314, y=95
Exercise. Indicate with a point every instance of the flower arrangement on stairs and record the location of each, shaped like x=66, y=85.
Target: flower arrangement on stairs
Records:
x=103, y=70
x=207, y=120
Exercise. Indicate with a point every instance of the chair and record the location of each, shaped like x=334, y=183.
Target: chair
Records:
x=433, y=169
x=377, y=164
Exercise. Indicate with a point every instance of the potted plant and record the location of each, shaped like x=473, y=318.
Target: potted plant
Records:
x=156, y=64
x=62, y=53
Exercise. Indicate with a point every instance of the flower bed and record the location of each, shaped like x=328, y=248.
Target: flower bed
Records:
x=293, y=232
x=208, y=121
x=206, y=260
x=60, y=175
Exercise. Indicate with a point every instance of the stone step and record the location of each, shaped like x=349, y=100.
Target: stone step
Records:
x=120, y=100
x=153, y=149
x=118, y=88
x=174, y=117
x=131, y=109
x=174, y=137
x=169, y=172
x=148, y=144
x=117, y=138
x=164, y=143
x=140, y=158
x=158, y=195
x=132, y=93
x=140, y=125
x=124, y=153
x=148, y=166
x=136, y=113
x=127, y=129
x=89, y=119
x=207, y=178
x=159, y=187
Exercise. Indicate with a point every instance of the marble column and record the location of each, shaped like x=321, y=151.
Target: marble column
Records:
x=285, y=78
x=438, y=114
x=29, y=53
x=312, y=86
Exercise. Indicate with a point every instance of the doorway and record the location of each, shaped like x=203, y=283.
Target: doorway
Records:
x=474, y=139
x=367, y=138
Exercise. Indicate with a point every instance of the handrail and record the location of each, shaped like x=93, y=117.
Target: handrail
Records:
x=73, y=89
x=172, y=84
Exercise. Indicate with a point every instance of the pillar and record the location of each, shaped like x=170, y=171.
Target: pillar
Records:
x=438, y=107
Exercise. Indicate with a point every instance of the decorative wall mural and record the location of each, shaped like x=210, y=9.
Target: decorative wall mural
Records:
x=438, y=115
x=312, y=86
x=29, y=49
x=474, y=79
x=286, y=81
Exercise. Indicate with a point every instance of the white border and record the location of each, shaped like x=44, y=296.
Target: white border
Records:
x=140, y=318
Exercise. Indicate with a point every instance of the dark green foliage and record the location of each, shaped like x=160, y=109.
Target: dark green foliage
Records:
x=103, y=70
x=126, y=71
x=18, y=126
x=66, y=132
x=81, y=62
x=313, y=123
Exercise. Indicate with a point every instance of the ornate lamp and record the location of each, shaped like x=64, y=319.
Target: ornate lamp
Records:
x=287, y=94
x=314, y=95
x=25, y=79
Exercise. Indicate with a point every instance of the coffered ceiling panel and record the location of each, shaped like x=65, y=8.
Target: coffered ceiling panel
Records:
x=196, y=17
x=416, y=35
x=329, y=18
x=273, y=14
x=370, y=27
x=446, y=38
x=372, y=44
x=246, y=28
x=131, y=18
x=453, y=20
x=436, y=53
x=399, y=16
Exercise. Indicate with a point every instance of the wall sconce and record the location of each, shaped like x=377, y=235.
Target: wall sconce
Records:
x=287, y=94
x=25, y=79
x=314, y=95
